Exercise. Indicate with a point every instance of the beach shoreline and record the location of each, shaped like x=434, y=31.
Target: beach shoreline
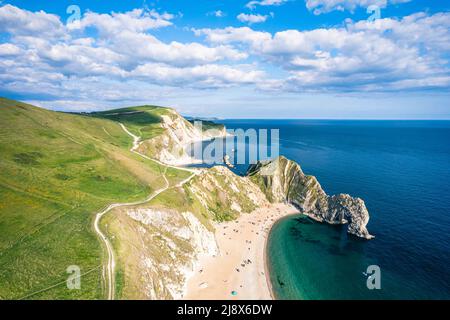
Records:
x=266, y=263
x=240, y=270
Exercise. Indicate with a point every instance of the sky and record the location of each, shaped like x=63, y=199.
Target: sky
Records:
x=329, y=59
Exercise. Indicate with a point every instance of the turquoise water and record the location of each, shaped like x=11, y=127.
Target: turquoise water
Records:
x=402, y=171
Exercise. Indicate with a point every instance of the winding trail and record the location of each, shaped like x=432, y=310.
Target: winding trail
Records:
x=137, y=142
x=109, y=281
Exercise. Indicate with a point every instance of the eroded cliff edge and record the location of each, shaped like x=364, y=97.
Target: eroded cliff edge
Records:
x=173, y=144
x=283, y=180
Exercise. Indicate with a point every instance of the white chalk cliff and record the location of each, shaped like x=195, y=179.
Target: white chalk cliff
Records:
x=283, y=180
x=172, y=145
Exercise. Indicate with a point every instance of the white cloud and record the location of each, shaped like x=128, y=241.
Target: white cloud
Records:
x=252, y=18
x=63, y=62
x=234, y=35
x=208, y=76
x=21, y=22
x=324, y=6
x=217, y=13
x=390, y=54
x=8, y=49
x=127, y=60
x=253, y=4
x=141, y=48
x=137, y=20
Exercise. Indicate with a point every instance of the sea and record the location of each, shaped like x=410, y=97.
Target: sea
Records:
x=401, y=169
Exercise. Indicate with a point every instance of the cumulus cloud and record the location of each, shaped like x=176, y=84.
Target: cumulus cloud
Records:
x=324, y=6
x=21, y=22
x=8, y=49
x=253, y=4
x=43, y=55
x=137, y=20
x=365, y=56
x=125, y=59
x=140, y=47
x=208, y=76
x=234, y=35
x=252, y=18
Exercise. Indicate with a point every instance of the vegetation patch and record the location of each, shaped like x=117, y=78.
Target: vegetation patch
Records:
x=28, y=158
x=62, y=176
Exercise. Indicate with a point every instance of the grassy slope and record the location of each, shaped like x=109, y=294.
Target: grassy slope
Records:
x=142, y=121
x=56, y=171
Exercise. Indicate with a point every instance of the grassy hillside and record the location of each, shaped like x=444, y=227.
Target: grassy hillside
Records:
x=56, y=171
x=142, y=121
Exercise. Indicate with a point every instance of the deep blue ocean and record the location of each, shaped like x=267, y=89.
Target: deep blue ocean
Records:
x=401, y=169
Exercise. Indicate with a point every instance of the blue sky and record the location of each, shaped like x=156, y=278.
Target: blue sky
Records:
x=232, y=59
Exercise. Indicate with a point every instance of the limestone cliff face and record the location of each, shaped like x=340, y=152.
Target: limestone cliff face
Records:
x=168, y=244
x=171, y=146
x=283, y=180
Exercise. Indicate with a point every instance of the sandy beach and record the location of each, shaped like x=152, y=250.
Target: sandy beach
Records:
x=238, y=271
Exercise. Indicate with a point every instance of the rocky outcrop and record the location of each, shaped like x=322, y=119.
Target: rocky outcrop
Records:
x=172, y=146
x=283, y=180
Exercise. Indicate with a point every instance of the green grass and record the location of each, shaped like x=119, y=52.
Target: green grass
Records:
x=175, y=176
x=142, y=121
x=56, y=171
